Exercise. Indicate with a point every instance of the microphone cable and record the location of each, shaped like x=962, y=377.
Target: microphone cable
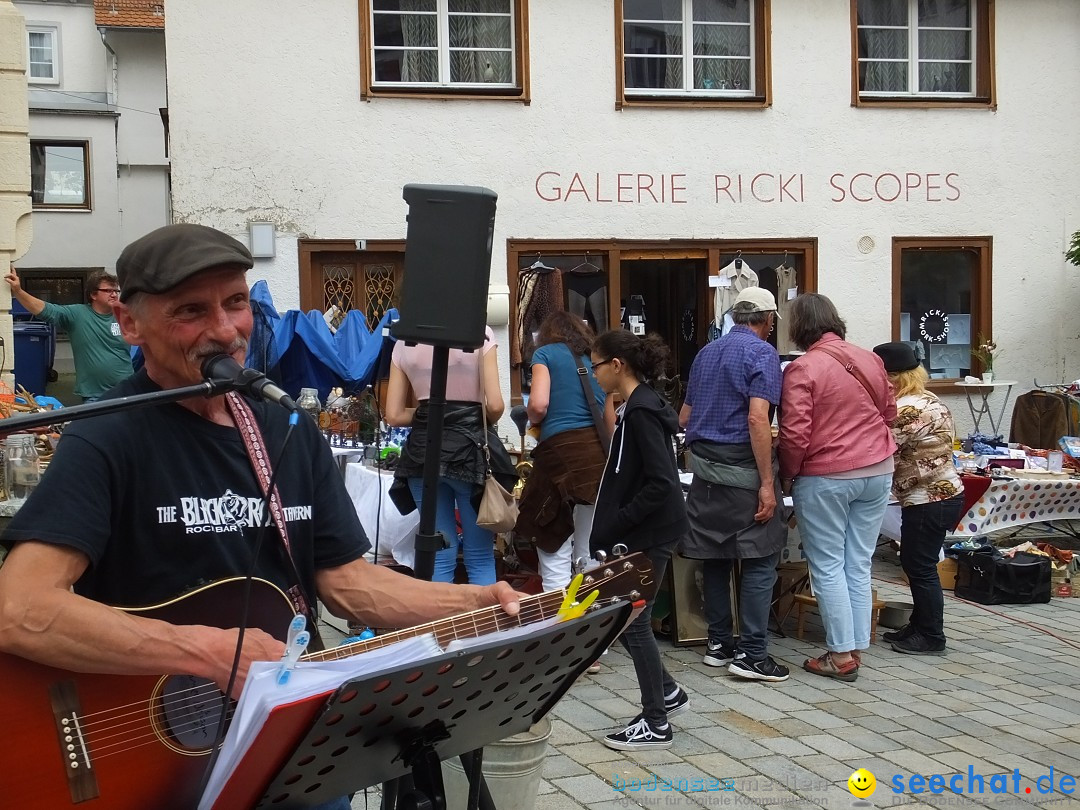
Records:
x=264, y=523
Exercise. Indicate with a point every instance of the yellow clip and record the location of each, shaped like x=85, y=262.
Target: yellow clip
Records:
x=571, y=596
x=580, y=607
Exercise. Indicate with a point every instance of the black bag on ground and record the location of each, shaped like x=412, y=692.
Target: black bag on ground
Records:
x=1020, y=580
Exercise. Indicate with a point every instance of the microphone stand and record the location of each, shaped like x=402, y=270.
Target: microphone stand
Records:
x=15, y=424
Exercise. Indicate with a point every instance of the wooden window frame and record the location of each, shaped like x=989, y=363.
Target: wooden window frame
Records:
x=985, y=96
x=369, y=91
x=982, y=310
x=762, y=70
x=614, y=251
x=311, y=288
x=87, y=202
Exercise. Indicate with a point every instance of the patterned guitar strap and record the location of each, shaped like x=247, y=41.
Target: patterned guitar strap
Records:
x=259, y=455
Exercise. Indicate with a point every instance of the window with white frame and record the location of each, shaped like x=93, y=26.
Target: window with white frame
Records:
x=692, y=48
x=60, y=174
x=438, y=44
x=43, y=58
x=922, y=48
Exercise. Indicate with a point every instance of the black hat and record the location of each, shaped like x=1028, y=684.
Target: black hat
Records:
x=157, y=262
x=897, y=356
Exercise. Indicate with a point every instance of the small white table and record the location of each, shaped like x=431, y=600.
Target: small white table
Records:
x=981, y=408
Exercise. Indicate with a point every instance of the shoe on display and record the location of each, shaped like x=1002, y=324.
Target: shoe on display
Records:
x=896, y=635
x=825, y=666
x=678, y=701
x=639, y=735
x=718, y=655
x=918, y=644
x=767, y=670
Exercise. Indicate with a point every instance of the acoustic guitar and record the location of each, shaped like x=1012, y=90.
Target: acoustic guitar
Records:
x=127, y=742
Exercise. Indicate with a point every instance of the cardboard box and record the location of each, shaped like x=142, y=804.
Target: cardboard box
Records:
x=946, y=573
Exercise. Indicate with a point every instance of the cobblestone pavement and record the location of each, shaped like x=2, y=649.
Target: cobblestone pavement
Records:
x=1005, y=697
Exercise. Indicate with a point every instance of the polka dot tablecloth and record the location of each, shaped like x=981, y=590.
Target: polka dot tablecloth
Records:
x=1007, y=504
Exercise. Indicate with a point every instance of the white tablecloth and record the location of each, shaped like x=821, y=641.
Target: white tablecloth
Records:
x=369, y=490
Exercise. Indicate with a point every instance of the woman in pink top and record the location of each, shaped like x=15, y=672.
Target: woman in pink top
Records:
x=836, y=459
x=472, y=379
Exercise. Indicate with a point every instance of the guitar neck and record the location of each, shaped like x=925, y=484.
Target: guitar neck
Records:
x=467, y=625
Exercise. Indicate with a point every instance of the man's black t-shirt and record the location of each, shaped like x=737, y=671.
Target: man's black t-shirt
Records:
x=163, y=501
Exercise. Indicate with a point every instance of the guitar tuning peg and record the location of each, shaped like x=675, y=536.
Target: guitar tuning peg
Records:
x=619, y=549
x=580, y=564
x=601, y=557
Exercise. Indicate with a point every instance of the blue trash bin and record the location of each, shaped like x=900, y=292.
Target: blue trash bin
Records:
x=33, y=345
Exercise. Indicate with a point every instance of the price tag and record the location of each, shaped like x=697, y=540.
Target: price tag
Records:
x=792, y=293
x=719, y=281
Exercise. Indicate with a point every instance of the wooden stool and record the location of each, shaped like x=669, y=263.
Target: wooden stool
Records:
x=805, y=600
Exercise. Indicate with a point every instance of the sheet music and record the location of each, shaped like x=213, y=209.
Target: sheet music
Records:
x=262, y=693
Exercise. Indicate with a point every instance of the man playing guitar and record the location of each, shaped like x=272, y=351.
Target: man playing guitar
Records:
x=141, y=506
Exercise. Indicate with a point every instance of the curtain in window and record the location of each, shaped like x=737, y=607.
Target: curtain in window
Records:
x=419, y=31
x=37, y=173
x=481, y=46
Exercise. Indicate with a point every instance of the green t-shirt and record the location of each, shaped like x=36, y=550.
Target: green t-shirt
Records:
x=102, y=357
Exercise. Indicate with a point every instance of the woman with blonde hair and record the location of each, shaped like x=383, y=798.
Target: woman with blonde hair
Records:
x=930, y=492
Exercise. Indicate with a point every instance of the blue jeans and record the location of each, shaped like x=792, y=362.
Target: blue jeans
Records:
x=756, y=580
x=922, y=531
x=839, y=520
x=478, y=544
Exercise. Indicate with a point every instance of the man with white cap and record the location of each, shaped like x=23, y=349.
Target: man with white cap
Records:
x=734, y=388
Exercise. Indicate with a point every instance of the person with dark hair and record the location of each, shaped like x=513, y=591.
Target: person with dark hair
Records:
x=640, y=505
x=733, y=391
x=556, y=504
x=836, y=459
x=102, y=357
x=930, y=492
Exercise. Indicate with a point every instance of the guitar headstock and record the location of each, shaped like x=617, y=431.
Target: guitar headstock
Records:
x=626, y=576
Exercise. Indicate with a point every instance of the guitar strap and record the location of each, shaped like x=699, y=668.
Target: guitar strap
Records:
x=259, y=455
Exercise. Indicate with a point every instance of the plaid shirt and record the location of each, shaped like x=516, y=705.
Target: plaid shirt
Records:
x=725, y=375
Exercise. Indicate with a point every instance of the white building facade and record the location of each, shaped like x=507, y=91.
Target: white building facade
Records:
x=916, y=161
x=99, y=163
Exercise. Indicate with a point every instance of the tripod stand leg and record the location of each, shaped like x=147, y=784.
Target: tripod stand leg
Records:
x=479, y=795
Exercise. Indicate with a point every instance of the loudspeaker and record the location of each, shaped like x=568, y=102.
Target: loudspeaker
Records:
x=444, y=291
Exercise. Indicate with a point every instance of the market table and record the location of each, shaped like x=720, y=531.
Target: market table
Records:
x=369, y=489
x=1010, y=503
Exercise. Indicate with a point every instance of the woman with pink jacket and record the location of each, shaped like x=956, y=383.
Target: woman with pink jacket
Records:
x=836, y=459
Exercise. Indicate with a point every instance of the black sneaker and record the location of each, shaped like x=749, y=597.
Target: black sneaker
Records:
x=639, y=735
x=719, y=655
x=767, y=670
x=896, y=635
x=677, y=701
x=918, y=644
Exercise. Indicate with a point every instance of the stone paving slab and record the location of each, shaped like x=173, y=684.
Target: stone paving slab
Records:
x=1006, y=696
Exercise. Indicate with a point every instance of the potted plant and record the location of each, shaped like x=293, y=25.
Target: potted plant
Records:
x=985, y=353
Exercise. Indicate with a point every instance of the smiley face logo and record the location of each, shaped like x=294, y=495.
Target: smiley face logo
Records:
x=862, y=783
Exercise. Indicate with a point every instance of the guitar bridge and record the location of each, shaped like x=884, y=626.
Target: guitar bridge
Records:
x=67, y=712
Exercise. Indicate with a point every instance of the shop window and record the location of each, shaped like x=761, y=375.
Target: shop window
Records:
x=43, y=54
x=337, y=278
x=922, y=51
x=60, y=174
x=699, y=50
x=941, y=293
x=445, y=47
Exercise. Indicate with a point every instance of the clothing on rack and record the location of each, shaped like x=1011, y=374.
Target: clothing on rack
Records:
x=786, y=279
x=547, y=297
x=1040, y=418
x=739, y=276
x=587, y=298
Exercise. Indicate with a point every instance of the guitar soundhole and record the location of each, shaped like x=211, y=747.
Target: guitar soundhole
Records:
x=189, y=709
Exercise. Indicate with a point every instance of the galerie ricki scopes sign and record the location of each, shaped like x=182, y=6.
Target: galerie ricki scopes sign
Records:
x=651, y=188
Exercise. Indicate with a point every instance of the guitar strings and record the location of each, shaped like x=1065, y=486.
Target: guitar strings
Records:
x=532, y=609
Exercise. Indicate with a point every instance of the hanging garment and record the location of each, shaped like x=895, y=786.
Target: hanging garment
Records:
x=739, y=276
x=587, y=298
x=786, y=279
x=1039, y=419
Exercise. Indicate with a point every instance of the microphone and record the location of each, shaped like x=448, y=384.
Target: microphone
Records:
x=222, y=368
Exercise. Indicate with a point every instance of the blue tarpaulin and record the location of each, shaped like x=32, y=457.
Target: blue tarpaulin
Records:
x=297, y=349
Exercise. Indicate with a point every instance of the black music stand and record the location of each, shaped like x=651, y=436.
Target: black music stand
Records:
x=407, y=719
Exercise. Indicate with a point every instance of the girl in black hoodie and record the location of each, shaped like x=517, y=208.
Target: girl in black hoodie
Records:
x=640, y=504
